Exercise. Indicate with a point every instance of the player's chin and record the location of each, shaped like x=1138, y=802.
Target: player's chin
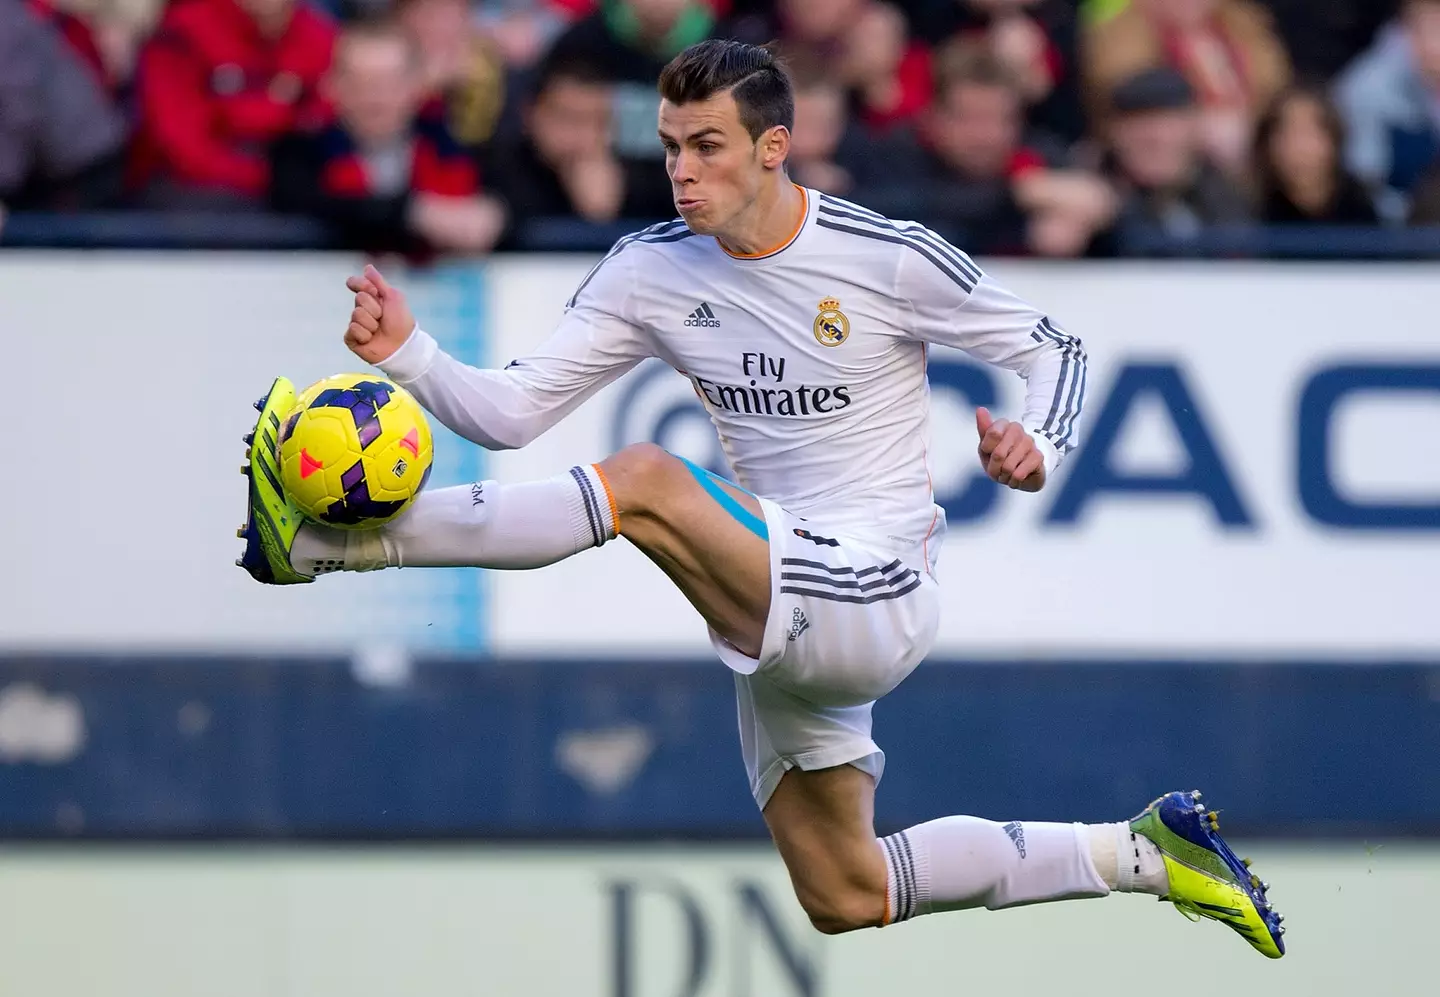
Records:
x=696, y=217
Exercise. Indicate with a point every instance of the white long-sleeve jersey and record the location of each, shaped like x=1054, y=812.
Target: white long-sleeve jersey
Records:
x=809, y=358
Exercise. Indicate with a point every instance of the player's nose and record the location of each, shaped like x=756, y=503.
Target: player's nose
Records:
x=681, y=173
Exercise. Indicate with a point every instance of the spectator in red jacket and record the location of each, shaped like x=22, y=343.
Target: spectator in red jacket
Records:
x=219, y=82
x=386, y=178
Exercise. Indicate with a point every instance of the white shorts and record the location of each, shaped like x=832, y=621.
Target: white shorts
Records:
x=847, y=624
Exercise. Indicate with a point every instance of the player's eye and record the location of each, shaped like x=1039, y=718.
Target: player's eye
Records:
x=706, y=148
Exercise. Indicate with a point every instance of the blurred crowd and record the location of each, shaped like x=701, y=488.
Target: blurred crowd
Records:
x=1024, y=127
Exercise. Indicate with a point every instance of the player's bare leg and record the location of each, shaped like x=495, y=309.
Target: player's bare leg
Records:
x=718, y=557
x=823, y=825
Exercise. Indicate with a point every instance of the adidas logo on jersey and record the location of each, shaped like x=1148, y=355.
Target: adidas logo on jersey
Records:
x=798, y=623
x=703, y=317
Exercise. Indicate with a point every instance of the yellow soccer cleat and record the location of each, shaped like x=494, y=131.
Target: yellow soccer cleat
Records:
x=1207, y=879
x=271, y=521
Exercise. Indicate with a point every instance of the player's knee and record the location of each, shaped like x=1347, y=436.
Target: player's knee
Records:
x=844, y=910
x=641, y=475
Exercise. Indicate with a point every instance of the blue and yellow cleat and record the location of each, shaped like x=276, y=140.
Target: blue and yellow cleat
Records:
x=271, y=522
x=1207, y=879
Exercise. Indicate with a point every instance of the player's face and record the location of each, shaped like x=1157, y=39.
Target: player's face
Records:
x=716, y=169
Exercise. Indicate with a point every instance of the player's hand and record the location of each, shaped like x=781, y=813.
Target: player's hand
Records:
x=381, y=320
x=1009, y=454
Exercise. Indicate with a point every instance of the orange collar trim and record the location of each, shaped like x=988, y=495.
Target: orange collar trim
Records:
x=804, y=213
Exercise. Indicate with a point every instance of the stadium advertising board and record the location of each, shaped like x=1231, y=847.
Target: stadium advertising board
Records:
x=1257, y=473
x=1251, y=477
x=651, y=922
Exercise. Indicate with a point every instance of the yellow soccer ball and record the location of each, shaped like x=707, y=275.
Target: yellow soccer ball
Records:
x=355, y=451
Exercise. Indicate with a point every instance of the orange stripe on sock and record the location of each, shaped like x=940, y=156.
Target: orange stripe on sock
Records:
x=887, y=907
x=610, y=496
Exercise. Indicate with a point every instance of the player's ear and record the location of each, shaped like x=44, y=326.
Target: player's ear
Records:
x=774, y=147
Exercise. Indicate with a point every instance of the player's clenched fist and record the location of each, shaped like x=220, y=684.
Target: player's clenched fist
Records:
x=1009, y=453
x=381, y=320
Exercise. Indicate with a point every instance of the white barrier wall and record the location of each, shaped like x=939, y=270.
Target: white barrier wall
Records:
x=132, y=377
x=655, y=922
x=1261, y=473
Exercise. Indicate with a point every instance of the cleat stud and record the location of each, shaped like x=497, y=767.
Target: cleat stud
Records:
x=240, y=533
x=248, y=439
x=1280, y=930
x=245, y=470
x=1199, y=809
x=1246, y=862
x=1194, y=794
x=1213, y=815
x=239, y=563
x=260, y=405
x=1264, y=886
x=247, y=453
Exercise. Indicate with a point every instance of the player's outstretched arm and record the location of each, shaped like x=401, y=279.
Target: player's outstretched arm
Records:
x=498, y=409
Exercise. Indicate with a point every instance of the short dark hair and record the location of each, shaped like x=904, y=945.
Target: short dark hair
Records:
x=753, y=74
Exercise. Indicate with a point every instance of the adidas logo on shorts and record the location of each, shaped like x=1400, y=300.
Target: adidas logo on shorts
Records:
x=798, y=623
x=703, y=317
x=1016, y=832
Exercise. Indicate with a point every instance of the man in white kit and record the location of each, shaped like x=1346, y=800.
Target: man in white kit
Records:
x=802, y=321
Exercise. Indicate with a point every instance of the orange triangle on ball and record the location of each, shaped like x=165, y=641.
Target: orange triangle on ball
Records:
x=411, y=442
x=308, y=465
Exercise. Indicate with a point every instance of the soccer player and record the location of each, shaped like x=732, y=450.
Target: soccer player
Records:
x=802, y=321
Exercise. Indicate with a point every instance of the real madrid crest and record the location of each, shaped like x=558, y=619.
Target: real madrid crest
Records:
x=831, y=326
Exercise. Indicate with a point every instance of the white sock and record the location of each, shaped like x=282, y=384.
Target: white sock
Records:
x=485, y=525
x=1126, y=861
x=956, y=863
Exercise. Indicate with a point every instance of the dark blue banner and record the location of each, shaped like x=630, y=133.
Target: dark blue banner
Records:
x=153, y=748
